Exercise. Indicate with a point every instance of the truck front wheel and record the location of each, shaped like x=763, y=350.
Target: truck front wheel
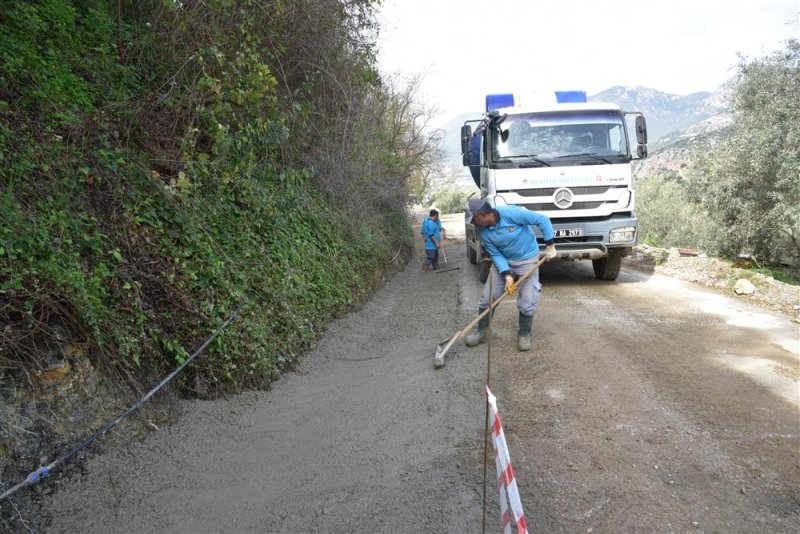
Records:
x=608, y=268
x=472, y=253
x=486, y=267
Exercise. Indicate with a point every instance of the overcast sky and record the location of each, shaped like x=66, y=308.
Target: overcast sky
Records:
x=467, y=48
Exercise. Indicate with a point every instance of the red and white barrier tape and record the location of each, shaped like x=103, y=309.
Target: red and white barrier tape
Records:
x=505, y=471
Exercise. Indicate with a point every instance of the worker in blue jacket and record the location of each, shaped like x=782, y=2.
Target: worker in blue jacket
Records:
x=506, y=234
x=432, y=234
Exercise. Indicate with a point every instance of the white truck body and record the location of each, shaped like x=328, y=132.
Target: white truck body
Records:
x=569, y=161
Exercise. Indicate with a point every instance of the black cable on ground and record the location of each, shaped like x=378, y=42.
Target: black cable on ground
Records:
x=42, y=472
x=398, y=253
x=490, y=333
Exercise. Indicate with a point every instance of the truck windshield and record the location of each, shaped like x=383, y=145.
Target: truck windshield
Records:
x=595, y=135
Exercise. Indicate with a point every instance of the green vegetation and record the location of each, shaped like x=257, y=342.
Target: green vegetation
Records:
x=743, y=190
x=669, y=217
x=748, y=183
x=449, y=199
x=164, y=163
x=780, y=275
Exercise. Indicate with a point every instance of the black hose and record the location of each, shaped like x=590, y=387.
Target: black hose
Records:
x=398, y=253
x=43, y=472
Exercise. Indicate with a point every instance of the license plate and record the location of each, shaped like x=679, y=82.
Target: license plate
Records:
x=569, y=232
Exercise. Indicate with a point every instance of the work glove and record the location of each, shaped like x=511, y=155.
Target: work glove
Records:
x=511, y=285
x=550, y=252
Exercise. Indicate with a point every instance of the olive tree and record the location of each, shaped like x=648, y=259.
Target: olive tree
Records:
x=668, y=216
x=750, y=181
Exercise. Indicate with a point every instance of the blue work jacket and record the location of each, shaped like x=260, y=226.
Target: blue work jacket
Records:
x=512, y=238
x=431, y=228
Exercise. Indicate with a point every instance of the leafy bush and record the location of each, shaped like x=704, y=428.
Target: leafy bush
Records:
x=668, y=217
x=449, y=199
x=165, y=163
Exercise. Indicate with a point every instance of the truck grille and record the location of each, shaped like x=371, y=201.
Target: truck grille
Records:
x=549, y=206
x=586, y=190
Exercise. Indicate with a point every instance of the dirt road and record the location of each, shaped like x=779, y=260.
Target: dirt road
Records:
x=646, y=405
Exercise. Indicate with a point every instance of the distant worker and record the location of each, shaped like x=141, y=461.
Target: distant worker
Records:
x=432, y=234
x=506, y=234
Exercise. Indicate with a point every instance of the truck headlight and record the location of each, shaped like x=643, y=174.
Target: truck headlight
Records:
x=626, y=234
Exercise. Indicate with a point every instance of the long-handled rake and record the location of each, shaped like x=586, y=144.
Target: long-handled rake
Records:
x=444, y=238
x=444, y=346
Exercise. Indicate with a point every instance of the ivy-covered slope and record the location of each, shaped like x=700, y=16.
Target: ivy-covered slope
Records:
x=163, y=163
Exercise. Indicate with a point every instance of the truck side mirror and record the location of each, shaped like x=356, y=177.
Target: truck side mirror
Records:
x=641, y=151
x=641, y=130
x=466, y=153
x=475, y=159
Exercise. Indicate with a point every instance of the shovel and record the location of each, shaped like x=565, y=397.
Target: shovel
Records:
x=444, y=346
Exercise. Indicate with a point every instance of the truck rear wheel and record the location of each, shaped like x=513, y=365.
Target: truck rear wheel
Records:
x=608, y=268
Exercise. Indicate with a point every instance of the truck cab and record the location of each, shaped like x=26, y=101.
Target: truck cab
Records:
x=569, y=160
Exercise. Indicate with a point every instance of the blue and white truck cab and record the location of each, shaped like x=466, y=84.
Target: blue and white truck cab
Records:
x=568, y=159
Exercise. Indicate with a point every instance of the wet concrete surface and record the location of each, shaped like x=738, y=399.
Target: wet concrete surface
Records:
x=646, y=405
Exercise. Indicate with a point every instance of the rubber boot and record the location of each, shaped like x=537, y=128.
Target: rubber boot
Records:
x=524, y=340
x=479, y=336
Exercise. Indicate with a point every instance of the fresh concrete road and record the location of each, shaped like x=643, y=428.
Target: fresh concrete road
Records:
x=647, y=405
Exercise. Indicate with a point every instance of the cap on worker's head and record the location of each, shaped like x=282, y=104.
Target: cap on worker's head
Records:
x=478, y=205
x=433, y=213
